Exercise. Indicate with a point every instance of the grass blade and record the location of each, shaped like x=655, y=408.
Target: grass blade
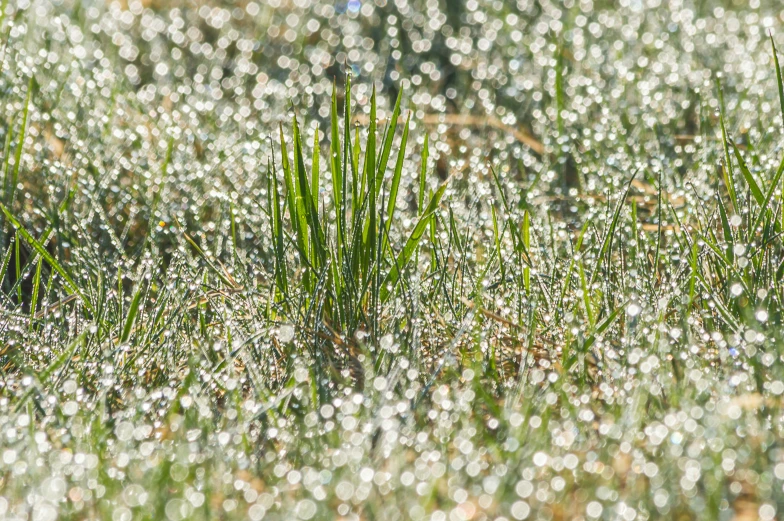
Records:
x=338, y=182
x=314, y=174
x=130, y=318
x=497, y=240
x=42, y=251
x=307, y=205
x=608, y=236
x=778, y=75
x=771, y=190
x=277, y=232
x=36, y=289
x=753, y=186
x=423, y=176
x=729, y=174
x=725, y=224
x=393, y=191
x=389, y=136
x=20, y=145
x=411, y=244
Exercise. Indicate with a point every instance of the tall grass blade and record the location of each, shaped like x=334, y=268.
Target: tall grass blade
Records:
x=386, y=140
x=20, y=144
x=729, y=174
x=778, y=75
x=315, y=169
x=338, y=183
x=277, y=232
x=394, y=188
x=307, y=203
x=294, y=199
x=423, y=176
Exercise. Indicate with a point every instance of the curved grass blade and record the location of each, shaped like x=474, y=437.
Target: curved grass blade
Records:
x=771, y=190
x=42, y=251
x=778, y=74
x=411, y=244
x=753, y=186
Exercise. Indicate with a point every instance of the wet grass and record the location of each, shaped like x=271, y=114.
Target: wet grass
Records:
x=545, y=285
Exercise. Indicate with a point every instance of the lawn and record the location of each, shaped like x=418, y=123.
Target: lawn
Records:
x=416, y=260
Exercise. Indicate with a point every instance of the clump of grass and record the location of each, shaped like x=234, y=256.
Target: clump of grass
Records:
x=344, y=261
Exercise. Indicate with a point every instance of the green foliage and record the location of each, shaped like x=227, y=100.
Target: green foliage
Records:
x=351, y=268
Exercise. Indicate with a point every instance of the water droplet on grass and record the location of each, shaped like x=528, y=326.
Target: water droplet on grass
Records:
x=286, y=333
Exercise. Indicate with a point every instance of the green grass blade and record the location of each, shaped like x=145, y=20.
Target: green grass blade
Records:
x=411, y=244
x=130, y=318
x=36, y=290
x=338, y=182
x=778, y=75
x=389, y=136
x=434, y=262
x=7, y=162
x=753, y=186
x=608, y=236
x=369, y=189
x=570, y=269
x=20, y=145
x=725, y=224
x=393, y=190
x=693, y=275
x=586, y=291
x=42, y=251
x=18, y=265
x=527, y=244
x=294, y=199
x=356, y=201
x=497, y=240
x=277, y=232
x=6, y=262
x=729, y=174
x=306, y=203
x=314, y=174
x=423, y=175
x=602, y=327
x=771, y=190
x=291, y=186
x=221, y=275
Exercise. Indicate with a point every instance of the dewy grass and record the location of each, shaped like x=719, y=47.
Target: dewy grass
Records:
x=302, y=261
